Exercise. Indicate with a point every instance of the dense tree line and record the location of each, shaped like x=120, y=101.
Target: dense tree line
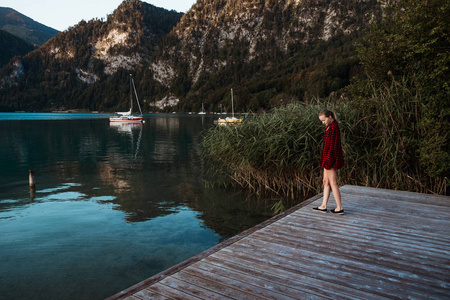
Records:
x=11, y=46
x=296, y=50
x=273, y=66
x=25, y=28
x=50, y=76
x=320, y=69
x=409, y=51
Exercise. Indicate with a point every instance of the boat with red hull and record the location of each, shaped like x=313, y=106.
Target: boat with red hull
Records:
x=129, y=117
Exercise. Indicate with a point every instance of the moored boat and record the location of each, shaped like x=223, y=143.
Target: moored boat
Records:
x=203, y=112
x=128, y=116
x=229, y=120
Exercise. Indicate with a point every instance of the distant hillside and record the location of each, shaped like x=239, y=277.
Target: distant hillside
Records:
x=269, y=51
x=88, y=65
x=10, y=46
x=24, y=27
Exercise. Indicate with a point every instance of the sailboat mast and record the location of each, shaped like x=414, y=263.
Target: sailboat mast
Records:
x=137, y=98
x=232, y=104
x=131, y=93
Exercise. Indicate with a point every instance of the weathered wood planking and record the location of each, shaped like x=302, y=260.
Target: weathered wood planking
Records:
x=389, y=244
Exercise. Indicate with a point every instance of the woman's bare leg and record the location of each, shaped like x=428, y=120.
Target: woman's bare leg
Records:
x=332, y=177
x=326, y=190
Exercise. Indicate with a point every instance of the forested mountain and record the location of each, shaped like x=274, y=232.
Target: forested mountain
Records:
x=269, y=51
x=24, y=27
x=87, y=66
x=10, y=46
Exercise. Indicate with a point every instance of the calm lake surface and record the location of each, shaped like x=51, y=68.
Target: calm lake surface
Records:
x=113, y=205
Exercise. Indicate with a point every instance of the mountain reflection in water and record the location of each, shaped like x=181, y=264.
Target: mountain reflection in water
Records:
x=125, y=200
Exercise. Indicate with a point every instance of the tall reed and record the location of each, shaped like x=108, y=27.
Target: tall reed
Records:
x=275, y=153
x=279, y=153
x=385, y=133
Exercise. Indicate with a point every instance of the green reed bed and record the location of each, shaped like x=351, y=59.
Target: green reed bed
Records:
x=386, y=134
x=277, y=155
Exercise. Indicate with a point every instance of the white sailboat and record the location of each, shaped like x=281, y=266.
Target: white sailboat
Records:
x=229, y=120
x=203, y=111
x=128, y=116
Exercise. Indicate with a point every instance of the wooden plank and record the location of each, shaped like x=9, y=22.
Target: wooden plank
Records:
x=259, y=280
x=224, y=288
x=391, y=209
x=304, y=284
x=438, y=229
x=298, y=271
x=383, y=251
x=145, y=294
x=335, y=269
x=388, y=193
x=302, y=274
x=332, y=229
x=160, y=289
x=178, y=282
x=132, y=297
x=241, y=289
x=389, y=244
x=391, y=271
x=395, y=195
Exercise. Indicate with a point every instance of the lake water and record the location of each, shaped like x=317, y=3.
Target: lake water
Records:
x=113, y=205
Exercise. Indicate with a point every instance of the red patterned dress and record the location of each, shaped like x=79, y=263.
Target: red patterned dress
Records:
x=332, y=157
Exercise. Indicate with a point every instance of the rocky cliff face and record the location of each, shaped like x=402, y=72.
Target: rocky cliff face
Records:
x=87, y=54
x=127, y=39
x=195, y=59
x=261, y=27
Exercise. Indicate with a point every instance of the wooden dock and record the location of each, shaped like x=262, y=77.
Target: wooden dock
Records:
x=387, y=245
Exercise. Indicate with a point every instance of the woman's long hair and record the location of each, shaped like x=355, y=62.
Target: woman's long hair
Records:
x=327, y=113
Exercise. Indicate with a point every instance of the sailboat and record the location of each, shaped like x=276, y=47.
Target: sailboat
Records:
x=231, y=120
x=203, y=111
x=128, y=116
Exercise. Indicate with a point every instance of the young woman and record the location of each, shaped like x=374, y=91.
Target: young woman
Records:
x=332, y=160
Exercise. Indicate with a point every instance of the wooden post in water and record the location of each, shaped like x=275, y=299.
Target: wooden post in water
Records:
x=32, y=182
x=31, y=179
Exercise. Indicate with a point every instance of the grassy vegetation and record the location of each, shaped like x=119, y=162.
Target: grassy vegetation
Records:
x=277, y=155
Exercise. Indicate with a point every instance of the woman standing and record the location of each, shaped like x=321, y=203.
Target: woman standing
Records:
x=332, y=160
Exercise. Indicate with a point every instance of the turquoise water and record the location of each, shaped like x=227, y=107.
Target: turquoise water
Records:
x=113, y=205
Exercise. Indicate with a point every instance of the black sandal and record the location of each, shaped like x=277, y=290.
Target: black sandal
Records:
x=339, y=212
x=320, y=209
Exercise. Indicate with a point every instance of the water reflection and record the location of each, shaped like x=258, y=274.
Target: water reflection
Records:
x=122, y=157
x=127, y=201
x=145, y=170
x=148, y=170
x=153, y=191
x=125, y=127
x=130, y=129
